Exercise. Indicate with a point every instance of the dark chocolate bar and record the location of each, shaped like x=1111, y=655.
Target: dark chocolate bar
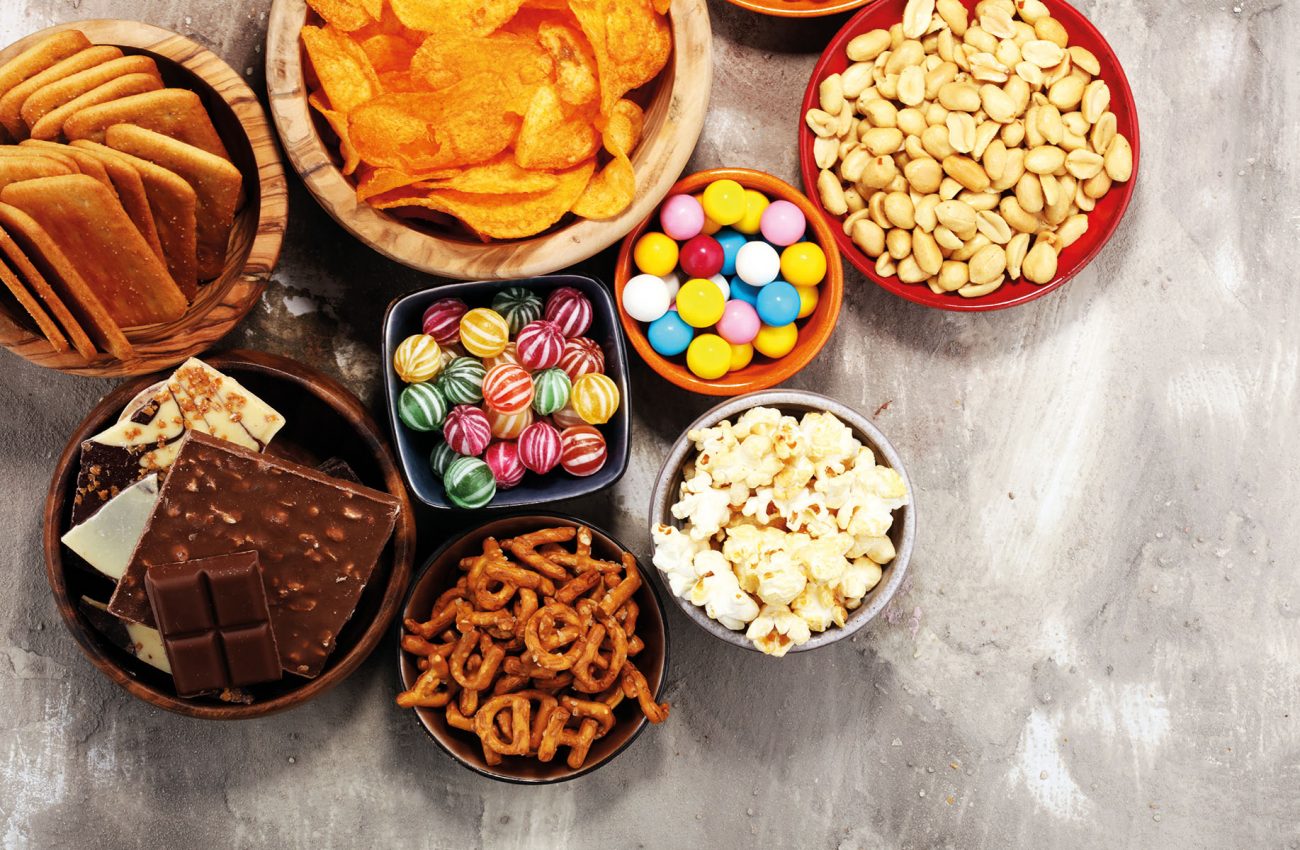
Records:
x=337, y=467
x=318, y=539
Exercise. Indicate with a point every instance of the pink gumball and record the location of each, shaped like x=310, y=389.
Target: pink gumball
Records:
x=782, y=223
x=539, y=447
x=682, y=217
x=539, y=344
x=503, y=459
x=467, y=430
x=739, y=323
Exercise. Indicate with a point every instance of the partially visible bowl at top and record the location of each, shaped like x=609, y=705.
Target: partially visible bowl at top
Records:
x=799, y=8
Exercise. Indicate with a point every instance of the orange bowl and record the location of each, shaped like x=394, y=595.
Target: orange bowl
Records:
x=799, y=8
x=763, y=372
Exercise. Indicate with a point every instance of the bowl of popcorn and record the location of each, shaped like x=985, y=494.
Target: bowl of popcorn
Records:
x=782, y=521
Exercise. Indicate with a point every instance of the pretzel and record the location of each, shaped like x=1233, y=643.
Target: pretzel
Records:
x=547, y=617
x=576, y=587
x=557, y=734
x=585, y=679
x=520, y=732
x=635, y=685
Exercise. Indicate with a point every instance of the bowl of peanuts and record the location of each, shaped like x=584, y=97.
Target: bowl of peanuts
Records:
x=970, y=155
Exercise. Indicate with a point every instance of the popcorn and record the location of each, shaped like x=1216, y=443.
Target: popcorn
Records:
x=776, y=629
x=675, y=555
x=818, y=607
x=719, y=592
x=781, y=579
x=858, y=580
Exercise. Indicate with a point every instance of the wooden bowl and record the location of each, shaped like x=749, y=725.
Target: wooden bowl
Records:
x=259, y=224
x=762, y=372
x=324, y=420
x=800, y=8
x=795, y=403
x=675, y=104
x=1102, y=221
x=441, y=571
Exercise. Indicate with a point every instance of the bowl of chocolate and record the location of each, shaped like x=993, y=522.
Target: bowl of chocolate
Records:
x=230, y=539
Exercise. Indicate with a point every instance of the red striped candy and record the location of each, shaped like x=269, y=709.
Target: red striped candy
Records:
x=582, y=450
x=507, y=388
x=539, y=345
x=442, y=319
x=539, y=447
x=569, y=309
x=466, y=430
x=503, y=459
x=581, y=356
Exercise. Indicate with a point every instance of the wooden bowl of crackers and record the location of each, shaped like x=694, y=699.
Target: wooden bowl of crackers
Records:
x=142, y=200
x=476, y=154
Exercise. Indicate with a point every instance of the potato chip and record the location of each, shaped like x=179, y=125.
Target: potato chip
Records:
x=388, y=52
x=630, y=41
x=374, y=8
x=339, y=124
x=344, y=70
x=609, y=192
x=342, y=14
x=662, y=6
x=551, y=137
x=475, y=17
x=575, y=64
x=518, y=61
x=499, y=176
x=622, y=131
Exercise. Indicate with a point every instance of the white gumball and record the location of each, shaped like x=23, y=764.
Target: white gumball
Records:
x=645, y=297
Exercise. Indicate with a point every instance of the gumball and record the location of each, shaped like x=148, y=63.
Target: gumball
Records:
x=682, y=217
x=518, y=306
x=582, y=450
x=581, y=356
x=421, y=407
x=778, y=303
x=507, y=388
x=551, y=388
x=509, y=354
x=709, y=356
x=503, y=459
x=595, y=398
x=416, y=359
x=655, y=253
x=484, y=332
x=783, y=223
x=508, y=426
x=730, y=241
x=569, y=309
x=441, y=456
x=803, y=264
x=757, y=263
x=567, y=417
x=720, y=281
x=755, y=203
x=724, y=201
x=669, y=335
x=539, y=447
x=741, y=291
x=673, y=281
x=700, y=303
x=469, y=483
x=461, y=381
x=710, y=227
x=539, y=344
x=741, y=356
x=776, y=342
x=442, y=320
x=701, y=257
x=739, y=322
x=808, y=299
x=466, y=430
x=645, y=297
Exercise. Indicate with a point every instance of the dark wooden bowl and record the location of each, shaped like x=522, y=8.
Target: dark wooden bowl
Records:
x=441, y=571
x=259, y=223
x=323, y=420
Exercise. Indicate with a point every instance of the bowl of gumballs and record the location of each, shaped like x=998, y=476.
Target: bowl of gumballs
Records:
x=503, y=394
x=732, y=285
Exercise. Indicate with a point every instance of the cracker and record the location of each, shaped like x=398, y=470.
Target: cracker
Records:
x=93, y=231
x=130, y=191
x=8, y=151
x=178, y=113
x=40, y=56
x=50, y=127
x=47, y=326
x=11, y=103
x=215, y=181
x=47, y=263
x=173, y=205
x=86, y=163
x=16, y=168
x=59, y=92
x=36, y=284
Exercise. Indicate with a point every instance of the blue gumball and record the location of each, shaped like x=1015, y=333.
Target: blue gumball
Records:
x=744, y=292
x=778, y=304
x=730, y=240
x=669, y=335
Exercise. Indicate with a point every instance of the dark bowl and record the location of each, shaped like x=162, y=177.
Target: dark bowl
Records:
x=441, y=571
x=404, y=318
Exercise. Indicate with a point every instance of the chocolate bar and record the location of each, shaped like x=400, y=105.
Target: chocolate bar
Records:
x=107, y=539
x=141, y=641
x=318, y=539
x=214, y=622
x=195, y=397
x=337, y=467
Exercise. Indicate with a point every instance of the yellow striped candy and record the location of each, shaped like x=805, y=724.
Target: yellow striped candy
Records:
x=417, y=359
x=484, y=332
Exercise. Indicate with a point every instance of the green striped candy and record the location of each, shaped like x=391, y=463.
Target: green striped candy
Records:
x=551, y=388
x=469, y=483
x=440, y=458
x=421, y=407
x=518, y=306
x=461, y=381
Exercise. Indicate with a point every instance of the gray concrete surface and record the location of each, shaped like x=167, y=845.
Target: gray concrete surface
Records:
x=1100, y=644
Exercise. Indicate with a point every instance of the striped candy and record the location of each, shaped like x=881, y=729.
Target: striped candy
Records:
x=483, y=332
x=421, y=407
x=440, y=457
x=416, y=358
x=551, y=389
x=582, y=450
x=567, y=417
x=461, y=381
x=595, y=398
x=469, y=483
x=581, y=356
x=507, y=388
x=569, y=309
x=503, y=459
x=540, y=345
x=509, y=355
x=508, y=426
x=518, y=306
x=466, y=430
x=442, y=320
x=539, y=447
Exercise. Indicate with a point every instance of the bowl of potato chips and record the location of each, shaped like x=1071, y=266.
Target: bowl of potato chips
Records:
x=488, y=138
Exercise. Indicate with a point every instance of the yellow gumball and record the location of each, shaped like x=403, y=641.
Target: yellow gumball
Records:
x=700, y=302
x=807, y=300
x=776, y=342
x=803, y=264
x=709, y=356
x=655, y=253
x=710, y=226
x=755, y=203
x=741, y=356
x=724, y=201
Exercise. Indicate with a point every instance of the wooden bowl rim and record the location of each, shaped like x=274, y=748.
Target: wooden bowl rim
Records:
x=247, y=285
x=776, y=371
x=338, y=398
x=692, y=68
x=542, y=517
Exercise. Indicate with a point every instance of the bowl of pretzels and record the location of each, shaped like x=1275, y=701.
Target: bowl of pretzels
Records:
x=533, y=649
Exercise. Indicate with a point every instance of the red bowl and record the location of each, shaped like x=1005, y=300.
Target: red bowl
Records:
x=1102, y=221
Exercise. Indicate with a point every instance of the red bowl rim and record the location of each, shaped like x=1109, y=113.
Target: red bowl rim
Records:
x=774, y=8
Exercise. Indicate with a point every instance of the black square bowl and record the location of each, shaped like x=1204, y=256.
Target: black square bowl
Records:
x=404, y=318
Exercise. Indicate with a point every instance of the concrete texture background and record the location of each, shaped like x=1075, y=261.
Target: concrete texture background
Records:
x=1099, y=644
